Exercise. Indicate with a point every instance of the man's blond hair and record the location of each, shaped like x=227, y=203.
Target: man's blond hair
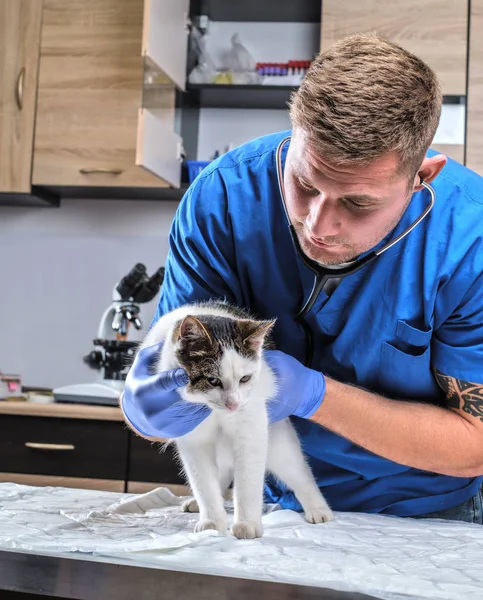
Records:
x=366, y=96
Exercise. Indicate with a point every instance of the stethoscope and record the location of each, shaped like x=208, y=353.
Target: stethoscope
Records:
x=324, y=274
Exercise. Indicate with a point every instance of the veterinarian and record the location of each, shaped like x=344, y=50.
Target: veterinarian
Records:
x=390, y=410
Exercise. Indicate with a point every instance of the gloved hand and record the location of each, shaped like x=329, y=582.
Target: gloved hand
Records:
x=151, y=402
x=300, y=389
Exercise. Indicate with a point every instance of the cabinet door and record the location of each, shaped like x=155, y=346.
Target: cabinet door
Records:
x=434, y=30
x=159, y=148
x=148, y=463
x=89, y=95
x=19, y=50
x=63, y=447
x=165, y=37
x=474, y=129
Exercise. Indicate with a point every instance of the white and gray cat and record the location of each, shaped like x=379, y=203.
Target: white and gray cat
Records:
x=220, y=348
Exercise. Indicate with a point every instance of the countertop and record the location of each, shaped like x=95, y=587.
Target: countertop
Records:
x=61, y=410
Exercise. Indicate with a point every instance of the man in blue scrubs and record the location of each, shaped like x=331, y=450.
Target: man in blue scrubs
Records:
x=390, y=411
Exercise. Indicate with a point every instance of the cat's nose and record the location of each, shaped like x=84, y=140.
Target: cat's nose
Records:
x=232, y=403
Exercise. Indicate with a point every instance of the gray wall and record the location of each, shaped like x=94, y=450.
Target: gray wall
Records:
x=58, y=268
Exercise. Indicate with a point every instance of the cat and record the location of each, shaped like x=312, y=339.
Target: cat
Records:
x=220, y=348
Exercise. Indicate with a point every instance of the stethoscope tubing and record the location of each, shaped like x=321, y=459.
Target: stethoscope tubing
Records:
x=323, y=274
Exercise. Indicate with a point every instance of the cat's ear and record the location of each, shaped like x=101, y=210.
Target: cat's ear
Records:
x=191, y=328
x=254, y=332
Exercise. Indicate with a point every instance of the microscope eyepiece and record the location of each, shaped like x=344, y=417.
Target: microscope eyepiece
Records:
x=128, y=285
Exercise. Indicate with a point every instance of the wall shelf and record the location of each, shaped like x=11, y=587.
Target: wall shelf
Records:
x=52, y=196
x=301, y=11
x=37, y=197
x=169, y=194
x=213, y=95
x=239, y=96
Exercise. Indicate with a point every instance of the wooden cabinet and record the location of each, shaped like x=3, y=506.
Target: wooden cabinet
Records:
x=20, y=22
x=106, y=93
x=81, y=446
x=474, y=127
x=434, y=30
x=150, y=465
x=63, y=447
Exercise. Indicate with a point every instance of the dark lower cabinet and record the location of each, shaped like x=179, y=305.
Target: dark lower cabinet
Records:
x=150, y=463
x=85, y=453
x=63, y=447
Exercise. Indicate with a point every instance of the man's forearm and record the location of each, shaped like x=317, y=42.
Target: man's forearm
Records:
x=414, y=434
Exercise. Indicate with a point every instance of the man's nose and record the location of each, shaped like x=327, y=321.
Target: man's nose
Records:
x=323, y=219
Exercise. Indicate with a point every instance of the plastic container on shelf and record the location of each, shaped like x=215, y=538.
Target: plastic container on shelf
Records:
x=195, y=167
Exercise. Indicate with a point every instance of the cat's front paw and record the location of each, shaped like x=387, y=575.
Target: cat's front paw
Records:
x=319, y=514
x=190, y=506
x=204, y=524
x=247, y=530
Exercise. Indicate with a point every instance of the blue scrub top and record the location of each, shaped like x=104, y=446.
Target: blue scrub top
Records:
x=417, y=306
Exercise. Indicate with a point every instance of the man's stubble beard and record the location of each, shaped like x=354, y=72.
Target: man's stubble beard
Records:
x=349, y=254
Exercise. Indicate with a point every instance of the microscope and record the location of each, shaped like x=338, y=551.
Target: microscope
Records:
x=113, y=352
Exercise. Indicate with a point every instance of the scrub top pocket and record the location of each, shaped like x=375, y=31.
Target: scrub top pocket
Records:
x=405, y=364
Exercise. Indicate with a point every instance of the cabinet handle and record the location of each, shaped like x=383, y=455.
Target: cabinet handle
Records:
x=89, y=171
x=19, y=89
x=39, y=446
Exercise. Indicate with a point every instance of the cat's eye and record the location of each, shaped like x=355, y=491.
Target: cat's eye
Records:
x=245, y=378
x=214, y=381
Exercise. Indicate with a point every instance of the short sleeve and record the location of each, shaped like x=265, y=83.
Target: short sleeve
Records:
x=201, y=259
x=457, y=346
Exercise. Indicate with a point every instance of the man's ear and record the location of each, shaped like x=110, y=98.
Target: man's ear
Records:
x=428, y=171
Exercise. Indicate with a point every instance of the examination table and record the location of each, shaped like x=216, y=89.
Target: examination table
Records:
x=87, y=544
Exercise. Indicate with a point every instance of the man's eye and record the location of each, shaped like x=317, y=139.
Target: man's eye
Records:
x=214, y=381
x=355, y=205
x=308, y=188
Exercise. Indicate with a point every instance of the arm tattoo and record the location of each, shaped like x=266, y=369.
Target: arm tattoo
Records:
x=462, y=394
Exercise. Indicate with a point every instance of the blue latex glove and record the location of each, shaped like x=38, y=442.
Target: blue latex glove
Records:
x=151, y=402
x=300, y=389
